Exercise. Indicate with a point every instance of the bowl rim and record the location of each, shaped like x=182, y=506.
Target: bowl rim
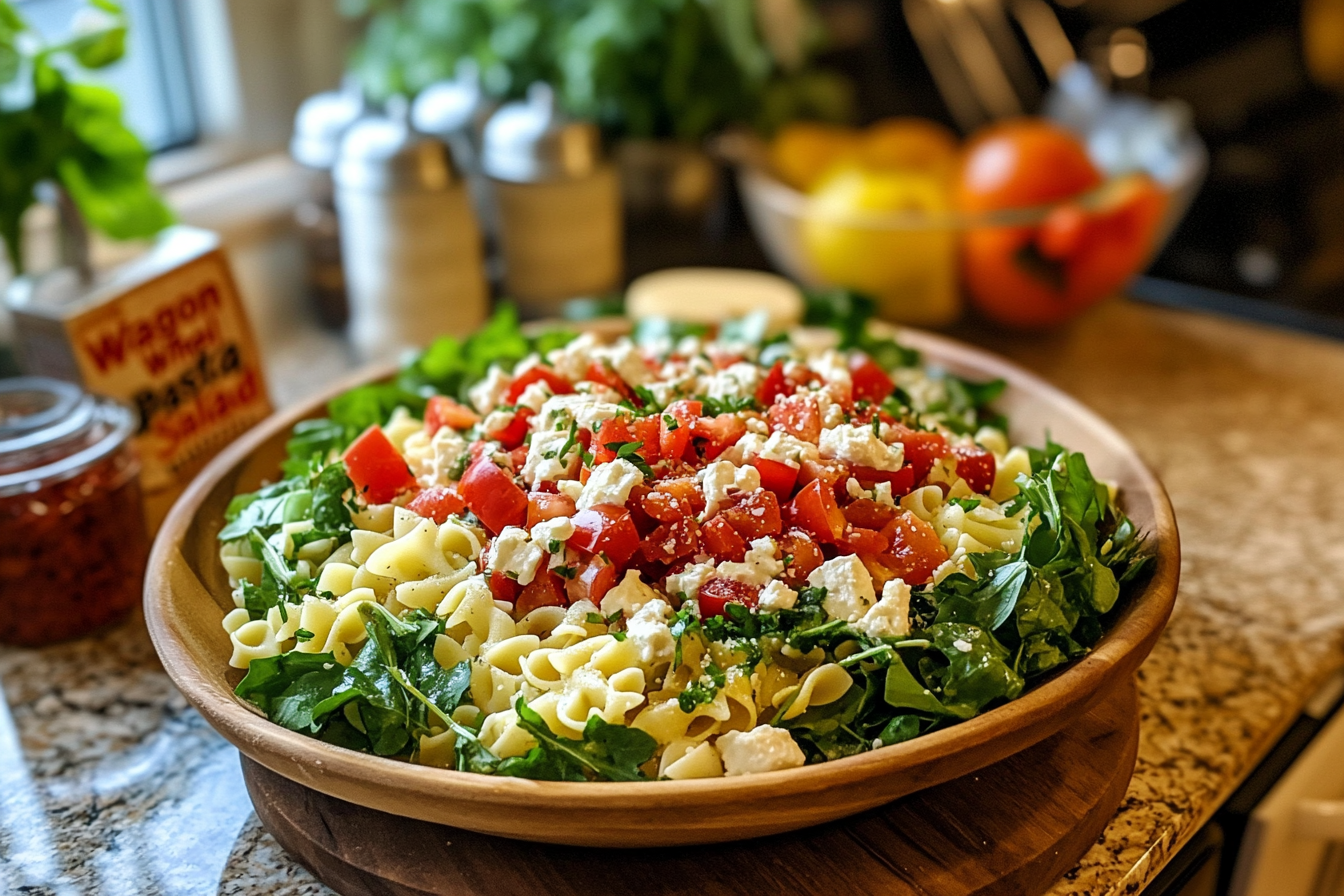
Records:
x=1076, y=686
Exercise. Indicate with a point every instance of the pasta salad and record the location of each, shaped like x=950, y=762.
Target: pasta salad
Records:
x=677, y=555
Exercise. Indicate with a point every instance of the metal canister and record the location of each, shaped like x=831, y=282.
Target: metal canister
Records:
x=558, y=200
x=410, y=240
x=456, y=111
x=320, y=123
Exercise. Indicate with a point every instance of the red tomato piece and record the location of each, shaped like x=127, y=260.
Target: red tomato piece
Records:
x=537, y=374
x=675, y=425
x=592, y=581
x=512, y=435
x=915, y=549
x=441, y=411
x=976, y=466
x=493, y=496
x=867, y=513
x=547, y=506
x=815, y=511
x=504, y=588
x=377, y=469
x=922, y=449
x=684, y=490
x=902, y=480
x=802, y=555
x=776, y=476
x=871, y=382
x=602, y=374
x=720, y=433
x=832, y=473
x=546, y=590
x=798, y=415
x=611, y=432
x=437, y=503
x=773, y=386
x=648, y=432
x=755, y=515
x=722, y=540
x=857, y=540
x=672, y=541
x=606, y=529
x=665, y=507
x=717, y=593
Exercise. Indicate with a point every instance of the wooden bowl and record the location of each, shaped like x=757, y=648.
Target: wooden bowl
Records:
x=187, y=595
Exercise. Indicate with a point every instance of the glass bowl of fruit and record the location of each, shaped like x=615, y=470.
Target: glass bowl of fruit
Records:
x=1028, y=220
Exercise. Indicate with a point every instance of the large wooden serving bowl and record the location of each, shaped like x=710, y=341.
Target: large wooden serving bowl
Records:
x=187, y=595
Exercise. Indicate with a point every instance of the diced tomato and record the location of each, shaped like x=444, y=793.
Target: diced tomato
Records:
x=675, y=424
x=721, y=539
x=512, y=435
x=755, y=515
x=377, y=469
x=612, y=432
x=493, y=496
x=601, y=373
x=922, y=449
x=915, y=549
x=717, y=593
x=648, y=432
x=773, y=386
x=545, y=506
x=672, y=541
x=867, y=513
x=518, y=457
x=976, y=466
x=546, y=590
x=537, y=374
x=606, y=529
x=665, y=507
x=871, y=382
x=902, y=480
x=857, y=540
x=441, y=411
x=798, y=415
x=776, y=476
x=720, y=433
x=437, y=503
x=684, y=490
x=504, y=588
x=832, y=473
x=644, y=523
x=593, y=580
x=802, y=556
x=814, y=510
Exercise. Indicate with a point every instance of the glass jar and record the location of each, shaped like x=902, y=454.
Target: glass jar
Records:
x=72, y=534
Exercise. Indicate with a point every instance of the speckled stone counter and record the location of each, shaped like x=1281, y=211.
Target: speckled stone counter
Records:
x=110, y=784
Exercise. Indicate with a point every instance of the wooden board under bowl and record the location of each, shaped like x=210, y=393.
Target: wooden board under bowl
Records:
x=187, y=595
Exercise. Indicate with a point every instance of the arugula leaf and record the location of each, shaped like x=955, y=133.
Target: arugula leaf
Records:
x=266, y=509
x=629, y=451
x=712, y=407
x=331, y=513
x=902, y=690
x=610, y=752
x=977, y=672
x=987, y=601
x=702, y=690
x=288, y=687
x=312, y=442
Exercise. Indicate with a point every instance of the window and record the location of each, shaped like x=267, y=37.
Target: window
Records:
x=153, y=78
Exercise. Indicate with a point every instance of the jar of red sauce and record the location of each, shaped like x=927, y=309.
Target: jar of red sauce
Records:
x=72, y=534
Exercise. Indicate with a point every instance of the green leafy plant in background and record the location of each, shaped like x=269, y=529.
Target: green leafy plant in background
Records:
x=54, y=129
x=640, y=68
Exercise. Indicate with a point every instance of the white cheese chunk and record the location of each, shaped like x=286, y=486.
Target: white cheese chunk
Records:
x=762, y=749
x=860, y=446
x=777, y=596
x=788, y=449
x=628, y=595
x=489, y=393
x=736, y=381
x=587, y=409
x=544, y=462
x=550, y=534
x=759, y=566
x=890, y=616
x=717, y=479
x=649, y=631
x=627, y=360
x=610, y=483
x=514, y=554
x=849, y=587
x=688, y=581
x=572, y=361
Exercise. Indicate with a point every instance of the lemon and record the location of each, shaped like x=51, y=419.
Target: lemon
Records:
x=804, y=151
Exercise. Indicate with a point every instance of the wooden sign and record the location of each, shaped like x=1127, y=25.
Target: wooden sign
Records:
x=166, y=334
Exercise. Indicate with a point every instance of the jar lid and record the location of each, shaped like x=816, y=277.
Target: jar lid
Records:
x=382, y=153
x=319, y=124
x=453, y=107
x=50, y=430
x=532, y=140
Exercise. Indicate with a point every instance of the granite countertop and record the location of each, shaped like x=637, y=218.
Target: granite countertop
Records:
x=111, y=784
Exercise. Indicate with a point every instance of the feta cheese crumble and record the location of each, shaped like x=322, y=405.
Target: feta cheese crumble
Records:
x=849, y=587
x=763, y=749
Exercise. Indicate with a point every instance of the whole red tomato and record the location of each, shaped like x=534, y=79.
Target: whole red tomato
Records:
x=1093, y=238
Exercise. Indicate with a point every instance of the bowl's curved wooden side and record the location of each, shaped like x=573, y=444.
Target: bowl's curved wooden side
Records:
x=186, y=596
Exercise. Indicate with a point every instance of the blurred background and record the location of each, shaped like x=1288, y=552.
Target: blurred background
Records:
x=696, y=105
